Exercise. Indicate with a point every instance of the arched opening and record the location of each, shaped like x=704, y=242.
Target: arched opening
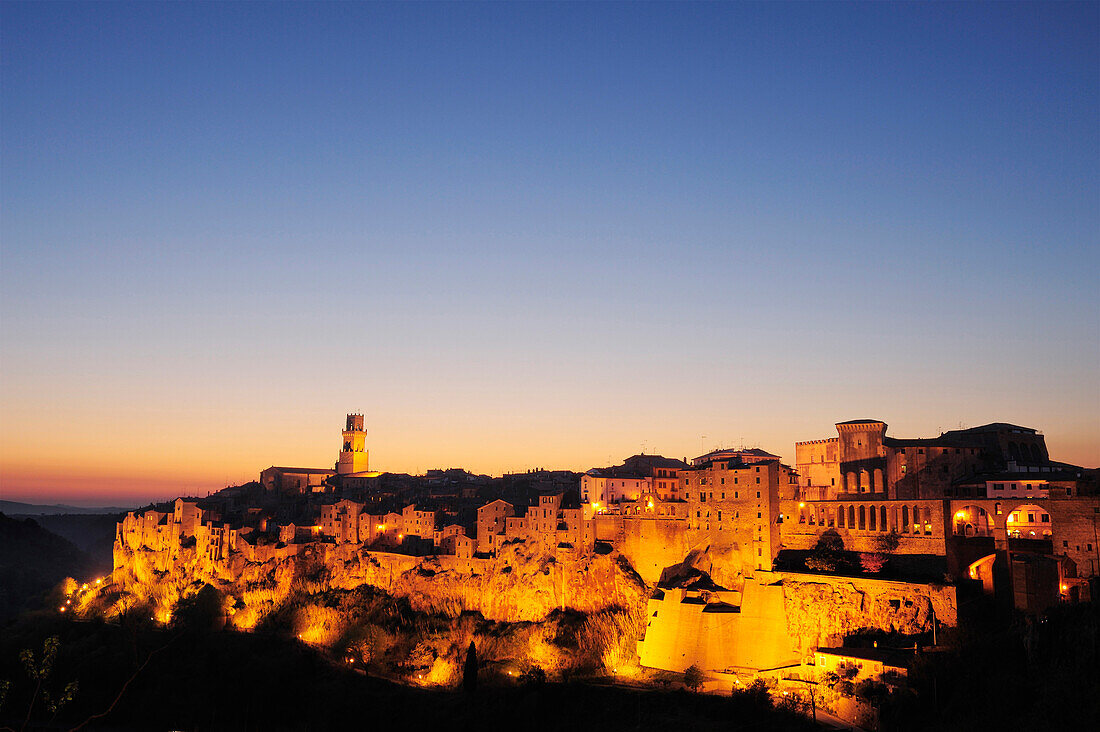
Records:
x=905, y=519
x=882, y=519
x=983, y=570
x=850, y=484
x=862, y=517
x=916, y=519
x=851, y=517
x=880, y=484
x=972, y=521
x=840, y=517
x=872, y=520
x=1029, y=522
x=864, y=481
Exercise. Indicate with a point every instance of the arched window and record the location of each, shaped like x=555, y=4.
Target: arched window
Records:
x=872, y=522
x=905, y=519
x=916, y=519
x=851, y=517
x=880, y=484
x=882, y=519
x=862, y=517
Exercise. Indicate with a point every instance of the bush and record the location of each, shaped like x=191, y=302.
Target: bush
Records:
x=756, y=694
x=693, y=677
x=872, y=562
x=888, y=543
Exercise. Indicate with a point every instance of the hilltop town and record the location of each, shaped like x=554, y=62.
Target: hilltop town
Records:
x=734, y=563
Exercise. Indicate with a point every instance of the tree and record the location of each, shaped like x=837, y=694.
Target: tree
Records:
x=693, y=677
x=888, y=543
x=39, y=672
x=469, y=670
x=828, y=553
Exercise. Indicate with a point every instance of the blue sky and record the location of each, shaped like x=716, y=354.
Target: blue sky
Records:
x=525, y=234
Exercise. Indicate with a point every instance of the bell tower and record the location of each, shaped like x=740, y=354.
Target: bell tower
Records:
x=353, y=455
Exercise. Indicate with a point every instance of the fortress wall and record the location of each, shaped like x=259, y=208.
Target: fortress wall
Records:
x=783, y=617
x=688, y=628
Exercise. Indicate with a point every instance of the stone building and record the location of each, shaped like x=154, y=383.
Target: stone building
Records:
x=639, y=474
x=736, y=505
x=862, y=459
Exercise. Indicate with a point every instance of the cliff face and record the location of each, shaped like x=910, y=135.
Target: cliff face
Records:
x=520, y=584
x=822, y=610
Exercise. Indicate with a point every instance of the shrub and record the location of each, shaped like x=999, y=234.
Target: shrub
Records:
x=693, y=677
x=872, y=562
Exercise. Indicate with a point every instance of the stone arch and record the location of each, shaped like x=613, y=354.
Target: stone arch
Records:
x=972, y=521
x=882, y=519
x=872, y=519
x=851, y=517
x=982, y=570
x=1029, y=521
x=905, y=519
x=862, y=517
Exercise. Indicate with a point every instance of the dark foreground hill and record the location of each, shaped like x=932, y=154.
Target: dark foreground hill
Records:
x=243, y=681
x=32, y=561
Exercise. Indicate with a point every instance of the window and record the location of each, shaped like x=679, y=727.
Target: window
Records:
x=758, y=515
x=723, y=481
x=735, y=494
x=758, y=481
x=758, y=494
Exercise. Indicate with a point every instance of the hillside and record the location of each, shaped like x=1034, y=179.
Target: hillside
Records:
x=32, y=561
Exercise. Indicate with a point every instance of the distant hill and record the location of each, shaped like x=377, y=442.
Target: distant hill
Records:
x=93, y=534
x=32, y=561
x=14, y=508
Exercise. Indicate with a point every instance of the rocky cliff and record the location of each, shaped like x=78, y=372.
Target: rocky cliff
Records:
x=520, y=584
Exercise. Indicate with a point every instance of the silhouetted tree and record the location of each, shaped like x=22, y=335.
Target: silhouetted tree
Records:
x=200, y=613
x=469, y=670
x=693, y=677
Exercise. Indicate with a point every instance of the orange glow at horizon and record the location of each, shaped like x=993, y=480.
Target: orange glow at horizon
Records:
x=137, y=456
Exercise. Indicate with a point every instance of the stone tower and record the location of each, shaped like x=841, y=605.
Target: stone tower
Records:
x=353, y=455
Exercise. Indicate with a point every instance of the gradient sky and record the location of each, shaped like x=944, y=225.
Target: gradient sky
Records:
x=535, y=235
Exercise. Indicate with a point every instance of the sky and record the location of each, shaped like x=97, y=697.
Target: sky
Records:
x=535, y=235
